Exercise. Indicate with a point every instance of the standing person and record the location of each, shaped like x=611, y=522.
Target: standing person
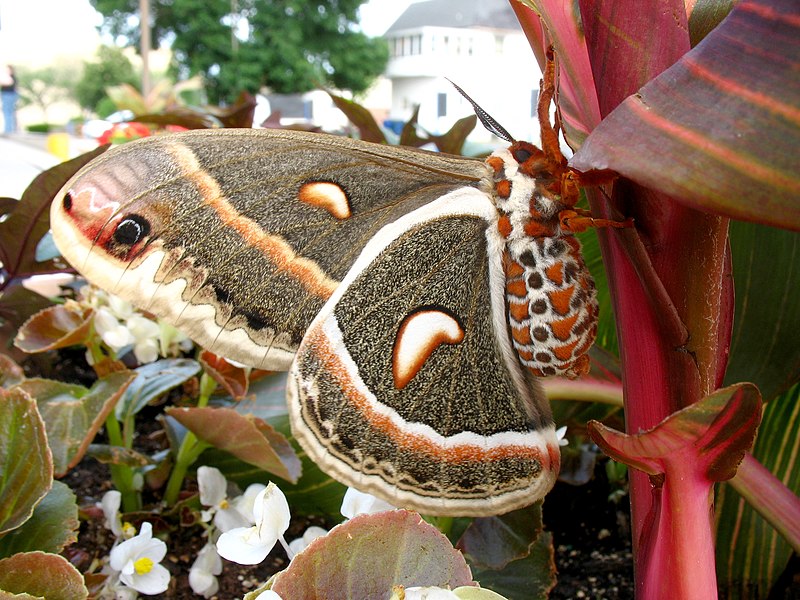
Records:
x=8, y=89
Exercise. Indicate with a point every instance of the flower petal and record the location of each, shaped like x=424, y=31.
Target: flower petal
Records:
x=212, y=486
x=243, y=545
x=110, y=504
x=271, y=512
x=155, y=581
x=358, y=503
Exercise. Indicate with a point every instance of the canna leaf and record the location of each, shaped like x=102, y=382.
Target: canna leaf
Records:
x=719, y=130
x=766, y=273
x=751, y=554
x=711, y=434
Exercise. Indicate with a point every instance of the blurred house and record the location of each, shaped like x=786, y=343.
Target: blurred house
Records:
x=479, y=45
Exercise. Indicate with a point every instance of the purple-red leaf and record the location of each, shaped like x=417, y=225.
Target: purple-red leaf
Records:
x=720, y=129
x=623, y=51
x=248, y=438
x=54, y=327
x=577, y=99
x=367, y=555
x=368, y=129
x=231, y=378
x=41, y=575
x=453, y=141
x=712, y=435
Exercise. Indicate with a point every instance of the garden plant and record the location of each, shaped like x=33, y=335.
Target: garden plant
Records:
x=684, y=117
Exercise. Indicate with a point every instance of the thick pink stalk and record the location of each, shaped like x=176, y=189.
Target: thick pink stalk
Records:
x=682, y=554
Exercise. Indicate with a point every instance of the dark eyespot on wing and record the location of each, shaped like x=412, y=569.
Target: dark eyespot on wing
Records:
x=67, y=202
x=131, y=230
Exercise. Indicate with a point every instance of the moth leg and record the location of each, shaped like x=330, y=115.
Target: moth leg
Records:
x=576, y=220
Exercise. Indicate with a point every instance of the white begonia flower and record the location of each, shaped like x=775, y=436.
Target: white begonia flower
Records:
x=122, y=309
x=145, y=333
x=113, y=333
x=268, y=595
x=358, y=503
x=561, y=433
x=250, y=545
x=245, y=503
x=213, y=493
x=110, y=504
x=137, y=561
x=429, y=593
x=309, y=536
x=203, y=572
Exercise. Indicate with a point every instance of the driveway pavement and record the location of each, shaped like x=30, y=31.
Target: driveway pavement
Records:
x=24, y=156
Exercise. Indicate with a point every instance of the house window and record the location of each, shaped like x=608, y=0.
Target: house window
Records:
x=441, y=103
x=416, y=44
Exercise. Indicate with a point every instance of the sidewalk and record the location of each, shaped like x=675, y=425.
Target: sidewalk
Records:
x=24, y=156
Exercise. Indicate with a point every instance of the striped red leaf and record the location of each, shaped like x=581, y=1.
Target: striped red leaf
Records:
x=719, y=130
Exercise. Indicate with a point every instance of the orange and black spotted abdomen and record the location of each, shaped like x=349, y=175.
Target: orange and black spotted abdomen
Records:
x=550, y=295
x=552, y=306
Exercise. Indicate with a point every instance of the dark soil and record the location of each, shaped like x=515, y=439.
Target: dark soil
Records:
x=591, y=535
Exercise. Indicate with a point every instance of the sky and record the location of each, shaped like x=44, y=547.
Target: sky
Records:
x=36, y=32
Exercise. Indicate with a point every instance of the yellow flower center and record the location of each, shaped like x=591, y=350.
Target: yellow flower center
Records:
x=143, y=565
x=128, y=530
x=224, y=504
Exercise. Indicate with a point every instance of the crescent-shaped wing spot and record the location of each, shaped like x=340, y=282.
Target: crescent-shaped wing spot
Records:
x=419, y=335
x=327, y=195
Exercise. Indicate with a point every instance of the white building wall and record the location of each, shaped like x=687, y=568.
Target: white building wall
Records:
x=496, y=68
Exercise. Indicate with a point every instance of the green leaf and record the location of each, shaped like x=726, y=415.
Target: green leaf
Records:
x=27, y=464
x=718, y=130
x=246, y=437
x=74, y=414
x=751, y=554
x=29, y=221
x=367, y=555
x=766, y=273
x=53, y=525
x=152, y=380
x=42, y=575
x=529, y=578
x=493, y=542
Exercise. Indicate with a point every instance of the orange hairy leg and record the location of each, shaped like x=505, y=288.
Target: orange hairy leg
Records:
x=568, y=182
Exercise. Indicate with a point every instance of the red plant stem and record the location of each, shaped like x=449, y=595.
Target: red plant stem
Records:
x=664, y=371
x=685, y=545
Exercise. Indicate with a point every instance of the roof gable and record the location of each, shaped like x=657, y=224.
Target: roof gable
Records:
x=492, y=14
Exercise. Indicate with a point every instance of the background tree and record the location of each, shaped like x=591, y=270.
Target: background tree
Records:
x=45, y=86
x=111, y=68
x=290, y=46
